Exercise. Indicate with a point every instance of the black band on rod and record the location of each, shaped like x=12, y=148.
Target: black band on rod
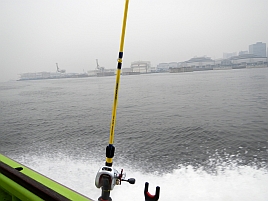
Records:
x=120, y=55
x=119, y=65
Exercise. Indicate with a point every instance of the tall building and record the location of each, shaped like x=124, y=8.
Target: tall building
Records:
x=258, y=49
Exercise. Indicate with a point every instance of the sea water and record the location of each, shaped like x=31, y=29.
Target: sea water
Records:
x=197, y=135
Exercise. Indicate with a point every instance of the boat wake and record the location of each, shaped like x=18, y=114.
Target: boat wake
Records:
x=234, y=182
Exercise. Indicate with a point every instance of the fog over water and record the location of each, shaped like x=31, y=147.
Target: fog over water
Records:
x=37, y=34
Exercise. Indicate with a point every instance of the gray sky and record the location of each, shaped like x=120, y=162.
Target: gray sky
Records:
x=36, y=34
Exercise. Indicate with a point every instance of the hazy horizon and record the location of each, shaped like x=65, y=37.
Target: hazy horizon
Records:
x=35, y=35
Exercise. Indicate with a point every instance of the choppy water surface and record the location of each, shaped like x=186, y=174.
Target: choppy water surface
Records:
x=199, y=135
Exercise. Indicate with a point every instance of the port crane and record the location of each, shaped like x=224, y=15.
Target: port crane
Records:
x=58, y=70
x=101, y=69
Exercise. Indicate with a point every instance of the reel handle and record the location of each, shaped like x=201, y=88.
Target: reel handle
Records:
x=130, y=180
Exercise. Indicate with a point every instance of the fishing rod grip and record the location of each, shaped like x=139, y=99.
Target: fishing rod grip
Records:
x=105, y=191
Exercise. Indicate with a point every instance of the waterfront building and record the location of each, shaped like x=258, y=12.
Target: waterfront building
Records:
x=180, y=69
x=163, y=67
x=173, y=64
x=154, y=69
x=258, y=49
x=37, y=75
x=242, y=52
x=248, y=61
x=229, y=55
x=141, y=66
x=222, y=64
x=193, y=64
x=200, y=63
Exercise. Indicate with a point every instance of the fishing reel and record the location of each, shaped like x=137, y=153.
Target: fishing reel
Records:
x=106, y=178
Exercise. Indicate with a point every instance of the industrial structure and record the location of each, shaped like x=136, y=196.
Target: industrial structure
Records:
x=60, y=70
x=101, y=71
x=141, y=66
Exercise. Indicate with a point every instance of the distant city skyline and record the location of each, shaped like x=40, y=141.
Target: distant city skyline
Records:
x=258, y=48
x=35, y=35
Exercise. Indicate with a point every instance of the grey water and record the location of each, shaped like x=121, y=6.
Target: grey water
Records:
x=204, y=120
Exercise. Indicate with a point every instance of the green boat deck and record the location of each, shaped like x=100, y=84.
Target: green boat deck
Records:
x=19, y=183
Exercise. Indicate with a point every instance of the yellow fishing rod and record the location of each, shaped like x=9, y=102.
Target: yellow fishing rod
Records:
x=107, y=177
x=110, y=148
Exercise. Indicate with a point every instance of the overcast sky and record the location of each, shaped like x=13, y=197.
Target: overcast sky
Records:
x=37, y=34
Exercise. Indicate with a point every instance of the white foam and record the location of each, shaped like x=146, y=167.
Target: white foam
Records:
x=186, y=184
